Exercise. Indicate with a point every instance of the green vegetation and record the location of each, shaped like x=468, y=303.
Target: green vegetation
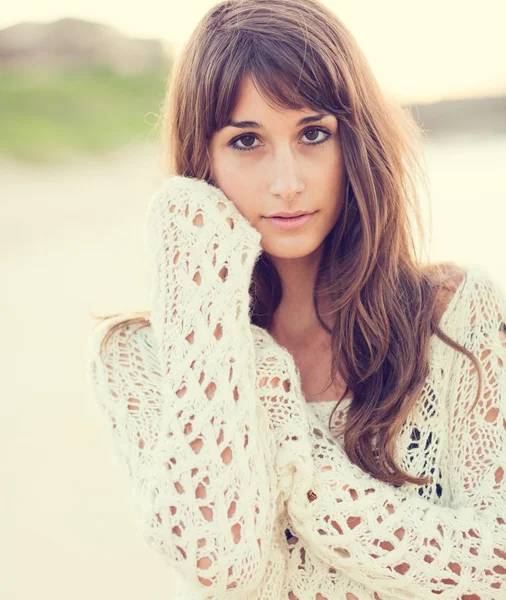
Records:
x=45, y=117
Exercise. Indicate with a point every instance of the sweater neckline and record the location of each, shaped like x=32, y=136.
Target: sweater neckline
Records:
x=328, y=405
x=318, y=410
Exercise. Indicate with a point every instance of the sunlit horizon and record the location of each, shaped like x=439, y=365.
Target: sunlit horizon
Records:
x=418, y=52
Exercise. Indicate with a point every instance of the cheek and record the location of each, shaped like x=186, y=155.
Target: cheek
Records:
x=336, y=176
x=332, y=184
x=240, y=190
x=327, y=175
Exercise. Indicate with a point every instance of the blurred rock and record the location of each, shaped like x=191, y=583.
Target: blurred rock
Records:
x=463, y=116
x=74, y=43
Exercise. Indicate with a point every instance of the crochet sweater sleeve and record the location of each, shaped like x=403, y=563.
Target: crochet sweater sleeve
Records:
x=183, y=403
x=400, y=544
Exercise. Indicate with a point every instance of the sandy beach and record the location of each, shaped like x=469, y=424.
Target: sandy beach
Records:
x=72, y=245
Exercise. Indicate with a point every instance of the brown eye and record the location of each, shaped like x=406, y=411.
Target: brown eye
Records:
x=247, y=140
x=312, y=132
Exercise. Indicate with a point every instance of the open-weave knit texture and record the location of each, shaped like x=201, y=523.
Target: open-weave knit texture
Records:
x=237, y=481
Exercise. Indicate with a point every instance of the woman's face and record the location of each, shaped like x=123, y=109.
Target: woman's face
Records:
x=278, y=165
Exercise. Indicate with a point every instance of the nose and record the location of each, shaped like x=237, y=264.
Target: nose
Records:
x=286, y=182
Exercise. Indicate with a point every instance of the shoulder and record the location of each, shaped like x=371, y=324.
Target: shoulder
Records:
x=448, y=275
x=475, y=297
x=446, y=278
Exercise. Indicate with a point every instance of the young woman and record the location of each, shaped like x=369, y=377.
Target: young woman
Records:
x=307, y=411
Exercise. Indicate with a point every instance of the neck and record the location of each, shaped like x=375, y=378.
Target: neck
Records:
x=295, y=322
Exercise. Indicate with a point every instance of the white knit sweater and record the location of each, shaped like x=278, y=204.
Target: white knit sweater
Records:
x=206, y=412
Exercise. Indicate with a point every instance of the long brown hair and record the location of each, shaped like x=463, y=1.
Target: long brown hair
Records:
x=384, y=299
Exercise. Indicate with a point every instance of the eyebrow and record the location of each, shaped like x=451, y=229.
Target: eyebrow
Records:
x=254, y=124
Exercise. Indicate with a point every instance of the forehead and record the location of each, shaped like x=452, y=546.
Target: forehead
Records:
x=250, y=103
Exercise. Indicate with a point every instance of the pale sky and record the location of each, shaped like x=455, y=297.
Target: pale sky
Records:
x=419, y=51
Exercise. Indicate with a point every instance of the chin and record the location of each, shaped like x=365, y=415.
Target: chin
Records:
x=291, y=248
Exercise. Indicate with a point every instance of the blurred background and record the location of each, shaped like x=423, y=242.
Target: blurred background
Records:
x=80, y=89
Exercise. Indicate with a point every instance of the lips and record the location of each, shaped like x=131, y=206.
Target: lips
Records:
x=290, y=223
x=295, y=216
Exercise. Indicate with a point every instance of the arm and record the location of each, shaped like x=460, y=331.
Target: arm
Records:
x=401, y=544
x=206, y=489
